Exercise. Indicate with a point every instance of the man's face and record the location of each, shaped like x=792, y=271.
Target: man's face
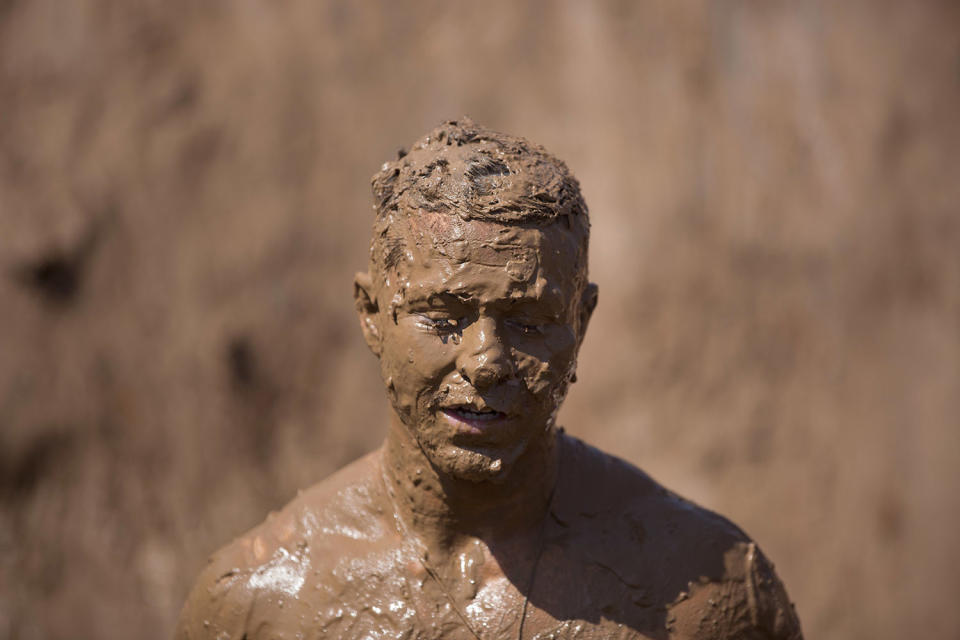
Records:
x=477, y=330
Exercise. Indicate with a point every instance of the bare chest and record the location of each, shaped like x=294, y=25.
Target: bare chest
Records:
x=392, y=595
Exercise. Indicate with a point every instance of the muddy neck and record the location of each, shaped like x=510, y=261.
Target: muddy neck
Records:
x=445, y=512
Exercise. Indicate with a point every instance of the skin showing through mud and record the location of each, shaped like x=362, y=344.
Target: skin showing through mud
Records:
x=479, y=517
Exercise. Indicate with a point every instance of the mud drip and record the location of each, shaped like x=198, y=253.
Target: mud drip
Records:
x=465, y=524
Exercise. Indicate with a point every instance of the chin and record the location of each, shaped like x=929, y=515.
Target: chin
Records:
x=473, y=464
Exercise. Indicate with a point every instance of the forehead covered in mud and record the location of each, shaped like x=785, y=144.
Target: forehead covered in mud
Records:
x=481, y=260
x=469, y=172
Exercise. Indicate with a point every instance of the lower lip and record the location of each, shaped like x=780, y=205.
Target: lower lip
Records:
x=474, y=425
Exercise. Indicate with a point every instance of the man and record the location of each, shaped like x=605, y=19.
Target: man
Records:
x=479, y=518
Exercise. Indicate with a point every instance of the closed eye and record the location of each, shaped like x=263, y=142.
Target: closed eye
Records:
x=440, y=324
x=526, y=327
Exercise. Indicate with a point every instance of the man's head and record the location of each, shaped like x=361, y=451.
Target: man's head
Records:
x=477, y=298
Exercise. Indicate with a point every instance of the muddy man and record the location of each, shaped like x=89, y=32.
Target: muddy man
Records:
x=479, y=518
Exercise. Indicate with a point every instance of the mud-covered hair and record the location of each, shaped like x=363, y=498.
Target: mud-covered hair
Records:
x=476, y=173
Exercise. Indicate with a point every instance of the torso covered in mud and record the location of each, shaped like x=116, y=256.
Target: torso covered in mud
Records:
x=620, y=557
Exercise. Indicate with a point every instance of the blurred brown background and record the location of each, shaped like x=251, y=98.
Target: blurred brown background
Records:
x=184, y=199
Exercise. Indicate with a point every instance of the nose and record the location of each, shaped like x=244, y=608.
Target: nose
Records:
x=483, y=359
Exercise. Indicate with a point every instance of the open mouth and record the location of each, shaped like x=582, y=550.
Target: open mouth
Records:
x=474, y=416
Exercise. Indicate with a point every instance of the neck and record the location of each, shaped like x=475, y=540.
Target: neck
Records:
x=445, y=511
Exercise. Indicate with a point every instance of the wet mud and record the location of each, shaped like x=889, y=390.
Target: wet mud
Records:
x=479, y=517
x=621, y=557
x=774, y=230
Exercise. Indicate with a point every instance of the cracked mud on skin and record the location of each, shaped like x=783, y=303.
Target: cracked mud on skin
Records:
x=479, y=517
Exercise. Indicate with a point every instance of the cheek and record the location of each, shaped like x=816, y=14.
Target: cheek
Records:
x=547, y=365
x=537, y=375
x=561, y=343
x=413, y=358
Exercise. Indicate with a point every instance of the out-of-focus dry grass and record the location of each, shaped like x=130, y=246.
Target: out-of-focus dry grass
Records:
x=184, y=199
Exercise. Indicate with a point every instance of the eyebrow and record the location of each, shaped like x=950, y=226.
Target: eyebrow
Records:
x=449, y=298
x=446, y=297
x=553, y=304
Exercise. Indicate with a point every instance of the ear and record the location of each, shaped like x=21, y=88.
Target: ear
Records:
x=365, y=301
x=588, y=302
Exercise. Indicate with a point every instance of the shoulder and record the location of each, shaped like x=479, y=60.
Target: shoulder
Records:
x=264, y=570
x=606, y=490
x=699, y=568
